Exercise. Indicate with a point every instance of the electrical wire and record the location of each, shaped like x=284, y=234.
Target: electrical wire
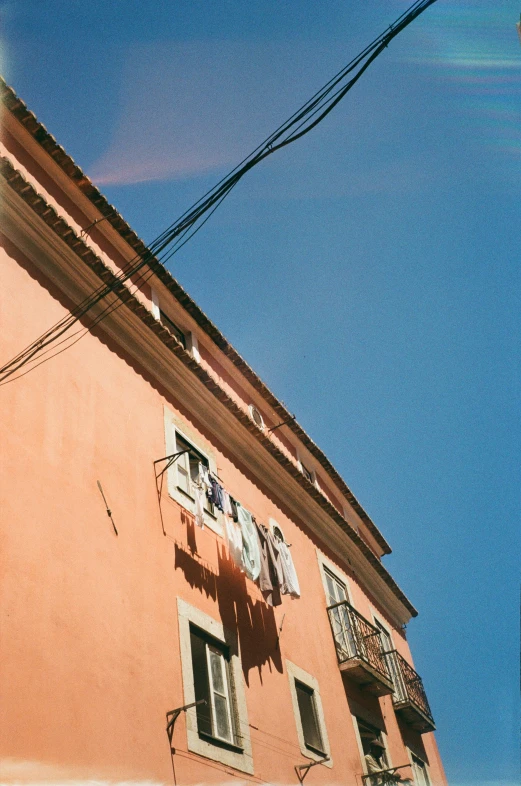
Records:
x=216, y=195
x=177, y=234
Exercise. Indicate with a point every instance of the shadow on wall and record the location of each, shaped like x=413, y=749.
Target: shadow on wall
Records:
x=197, y=574
x=252, y=620
x=364, y=705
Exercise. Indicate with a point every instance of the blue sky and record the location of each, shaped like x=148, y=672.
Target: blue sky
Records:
x=369, y=273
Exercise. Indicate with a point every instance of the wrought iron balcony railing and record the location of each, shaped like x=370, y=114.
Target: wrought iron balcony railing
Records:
x=359, y=649
x=409, y=697
x=389, y=777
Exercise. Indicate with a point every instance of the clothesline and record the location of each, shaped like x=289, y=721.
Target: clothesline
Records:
x=214, y=474
x=217, y=477
x=253, y=547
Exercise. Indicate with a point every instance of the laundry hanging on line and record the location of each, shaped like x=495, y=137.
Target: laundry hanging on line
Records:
x=271, y=577
x=254, y=549
x=251, y=558
x=290, y=585
x=201, y=486
x=233, y=535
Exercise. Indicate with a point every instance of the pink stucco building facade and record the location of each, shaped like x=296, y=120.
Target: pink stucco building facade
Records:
x=109, y=623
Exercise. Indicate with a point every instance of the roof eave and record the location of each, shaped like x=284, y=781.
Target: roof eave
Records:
x=48, y=142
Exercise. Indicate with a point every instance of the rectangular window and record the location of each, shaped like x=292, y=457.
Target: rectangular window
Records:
x=187, y=467
x=212, y=682
x=385, y=636
x=211, y=670
x=308, y=717
x=336, y=589
x=172, y=327
x=307, y=473
x=373, y=746
x=387, y=646
x=419, y=770
x=339, y=616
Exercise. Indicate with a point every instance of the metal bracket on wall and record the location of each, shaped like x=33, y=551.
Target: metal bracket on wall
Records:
x=284, y=423
x=387, y=777
x=170, y=460
x=303, y=769
x=173, y=715
x=92, y=225
x=159, y=478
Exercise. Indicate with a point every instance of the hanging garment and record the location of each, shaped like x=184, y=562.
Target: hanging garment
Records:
x=215, y=494
x=205, y=477
x=227, y=507
x=199, y=490
x=233, y=505
x=200, y=497
x=234, y=539
x=250, y=544
x=290, y=585
x=271, y=576
x=212, y=491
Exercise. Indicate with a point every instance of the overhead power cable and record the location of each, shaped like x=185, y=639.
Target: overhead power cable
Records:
x=171, y=240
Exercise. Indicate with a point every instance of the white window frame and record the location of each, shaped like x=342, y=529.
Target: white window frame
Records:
x=413, y=756
x=378, y=623
x=326, y=565
x=155, y=305
x=192, y=345
x=383, y=735
x=395, y=676
x=327, y=572
x=344, y=626
x=225, y=693
x=272, y=524
x=311, y=471
x=298, y=674
x=215, y=660
x=173, y=426
x=252, y=409
x=239, y=759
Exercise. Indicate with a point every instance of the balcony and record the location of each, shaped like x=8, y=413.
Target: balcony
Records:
x=359, y=649
x=409, y=698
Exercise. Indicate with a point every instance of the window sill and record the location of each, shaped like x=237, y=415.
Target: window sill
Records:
x=229, y=746
x=315, y=751
x=189, y=504
x=186, y=494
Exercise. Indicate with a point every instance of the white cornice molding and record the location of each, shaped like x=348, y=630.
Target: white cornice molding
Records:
x=67, y=186
x=43, y=147
x=50, y=254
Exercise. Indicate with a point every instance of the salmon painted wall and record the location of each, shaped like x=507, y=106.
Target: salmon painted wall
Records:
x=50, y=181
x=90, y=656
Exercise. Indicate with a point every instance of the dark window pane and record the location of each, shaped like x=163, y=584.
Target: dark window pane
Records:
x=212, y=683
x=278, y=533
x=172, y=327
x=191, y=464
x=308, y=717
x=217, y=672
x=368, y=735
x=201, y=685
x=420, y=772
x=221, y=718
x=307, y=474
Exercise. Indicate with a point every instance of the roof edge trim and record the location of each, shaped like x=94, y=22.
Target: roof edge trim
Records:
x=47, y=141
